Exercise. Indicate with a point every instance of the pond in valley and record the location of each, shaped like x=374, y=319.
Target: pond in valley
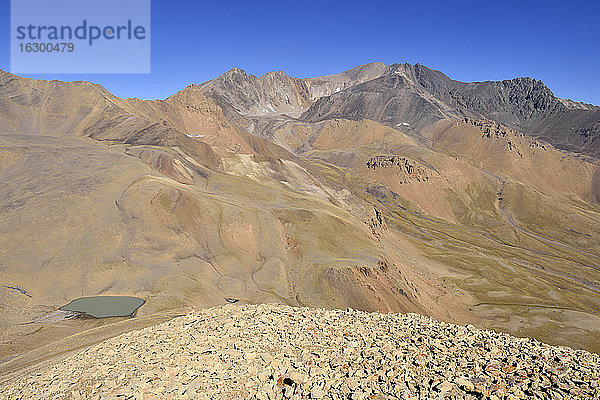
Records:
x=105, y=306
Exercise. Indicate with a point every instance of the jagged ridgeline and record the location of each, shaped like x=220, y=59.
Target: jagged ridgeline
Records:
x=388, y=188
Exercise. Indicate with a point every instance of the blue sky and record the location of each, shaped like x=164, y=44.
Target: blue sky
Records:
x=194, y=41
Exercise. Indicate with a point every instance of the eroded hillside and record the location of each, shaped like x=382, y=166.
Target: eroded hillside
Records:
x=363, y=189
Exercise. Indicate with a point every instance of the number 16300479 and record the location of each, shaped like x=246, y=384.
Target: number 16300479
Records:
x=46, y=47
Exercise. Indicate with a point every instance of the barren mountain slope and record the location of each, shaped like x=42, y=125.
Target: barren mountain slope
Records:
x=175, y=220
x=485, y=199
x=271, y=94
x=326, y=85
x=206, y=196
x=419, y=96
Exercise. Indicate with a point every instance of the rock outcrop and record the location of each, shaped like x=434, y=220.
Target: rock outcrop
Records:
x=494, y=130
x=409, y=170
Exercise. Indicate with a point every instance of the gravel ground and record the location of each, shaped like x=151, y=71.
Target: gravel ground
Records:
x=273, y=351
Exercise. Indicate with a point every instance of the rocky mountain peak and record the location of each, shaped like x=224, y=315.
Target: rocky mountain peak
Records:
x=235, y=71
x=274, y=74
x=274, y=93
x=524, y=96
x=421, y=76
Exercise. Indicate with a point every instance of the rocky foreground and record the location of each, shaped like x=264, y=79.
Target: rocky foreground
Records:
x=274, y=351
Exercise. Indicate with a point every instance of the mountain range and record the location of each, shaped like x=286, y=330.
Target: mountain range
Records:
x=387, y=188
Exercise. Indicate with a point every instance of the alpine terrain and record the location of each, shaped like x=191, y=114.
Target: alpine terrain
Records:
x=385, y=188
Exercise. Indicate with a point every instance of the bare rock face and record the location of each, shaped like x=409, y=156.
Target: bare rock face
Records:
x=272, y=94
x=409, y=170
x=327, y=85
x=520, y=98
